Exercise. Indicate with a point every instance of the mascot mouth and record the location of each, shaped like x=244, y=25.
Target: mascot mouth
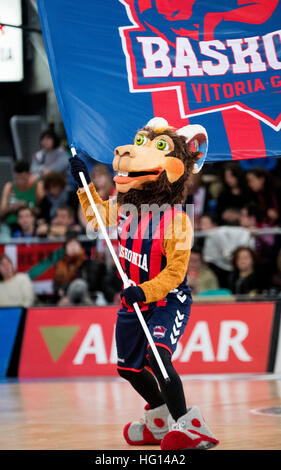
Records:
x=123, y=177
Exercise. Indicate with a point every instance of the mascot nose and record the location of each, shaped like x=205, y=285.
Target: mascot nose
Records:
x=123, y=151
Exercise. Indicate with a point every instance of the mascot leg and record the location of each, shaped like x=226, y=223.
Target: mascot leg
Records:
x=152, y=428
x=187, y=429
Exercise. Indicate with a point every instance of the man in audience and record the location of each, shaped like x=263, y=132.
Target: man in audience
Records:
x=57, y=195
x=26, y=222
x=15, y=288
x=63, y=223
x=24, y=190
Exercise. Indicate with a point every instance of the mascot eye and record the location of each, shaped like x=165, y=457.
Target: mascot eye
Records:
x=162, y=144
x=140, y=139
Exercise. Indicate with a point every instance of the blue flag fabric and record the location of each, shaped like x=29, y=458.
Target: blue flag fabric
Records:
x=116, y=64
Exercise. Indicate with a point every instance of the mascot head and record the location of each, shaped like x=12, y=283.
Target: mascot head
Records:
x=156, y=166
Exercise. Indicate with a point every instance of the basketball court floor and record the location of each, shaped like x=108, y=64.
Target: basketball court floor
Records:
x=243, y=411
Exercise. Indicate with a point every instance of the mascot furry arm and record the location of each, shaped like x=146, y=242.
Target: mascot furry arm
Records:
x=154, y=170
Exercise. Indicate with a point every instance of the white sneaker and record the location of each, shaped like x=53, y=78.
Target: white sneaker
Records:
x=188, y=432
x=148, y=430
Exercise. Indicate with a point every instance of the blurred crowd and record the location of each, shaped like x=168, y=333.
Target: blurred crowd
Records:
x=229, y=257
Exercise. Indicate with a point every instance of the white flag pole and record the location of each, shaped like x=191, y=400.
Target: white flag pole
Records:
x=123, y=276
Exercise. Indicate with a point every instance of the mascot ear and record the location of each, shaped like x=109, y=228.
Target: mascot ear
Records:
x=197, y=139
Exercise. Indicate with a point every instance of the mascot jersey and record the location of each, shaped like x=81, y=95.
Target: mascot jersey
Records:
x=154, y=248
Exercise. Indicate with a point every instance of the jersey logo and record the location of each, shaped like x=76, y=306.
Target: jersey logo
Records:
x=159, y=331
x=134, y=258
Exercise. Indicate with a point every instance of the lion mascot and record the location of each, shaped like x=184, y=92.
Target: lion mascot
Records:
x=155, y=237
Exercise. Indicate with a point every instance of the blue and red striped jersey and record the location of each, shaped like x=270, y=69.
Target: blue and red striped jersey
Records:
x=141, y=250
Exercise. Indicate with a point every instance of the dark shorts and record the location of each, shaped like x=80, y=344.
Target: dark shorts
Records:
x=166, y=324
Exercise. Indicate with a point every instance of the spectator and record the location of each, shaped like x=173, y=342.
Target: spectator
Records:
x=200, y=277
x=76, y=294
x=63, y=223
x=73, y=266
x=251, y=216
x=67, y=268
x=51, y=157
x=266, y=246
x=197, y=194
x=103, y=181
x=219, y=244
x=15, y=288
x=244, y=279
x=235, y=191
x=26, y=221
x=207, y=222
x=230, y=216
x=57, y=195
x=262, y=185
x=24, y=190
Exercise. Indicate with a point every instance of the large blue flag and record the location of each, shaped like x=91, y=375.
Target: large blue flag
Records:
x=116, y=64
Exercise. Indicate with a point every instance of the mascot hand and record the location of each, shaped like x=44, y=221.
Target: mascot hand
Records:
x=133, y=294
x=76, y=166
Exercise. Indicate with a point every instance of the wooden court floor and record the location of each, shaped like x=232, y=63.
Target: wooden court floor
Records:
x=90, y=413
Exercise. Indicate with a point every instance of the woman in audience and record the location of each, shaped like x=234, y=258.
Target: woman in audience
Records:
x=235, y=191
x=244, y=278
x=266, y=194
x=15, y=288
x=51, y=157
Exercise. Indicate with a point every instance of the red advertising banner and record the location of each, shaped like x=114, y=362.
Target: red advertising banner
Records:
x=219, y=338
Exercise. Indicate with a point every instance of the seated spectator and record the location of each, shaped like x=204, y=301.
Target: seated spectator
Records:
x=51, y=157
x=197, y=194
x=15, y=288
x=244, y=278
x=219, y=244
x=207, y=222
x=76, y=294
x=251, y=216
x=26, y=222
x=230, y=216
x=74, y=265
x=63, y=223
x=200, y=278
x=67, y=269
x=266, y=245
x=25, y=190
x=103, y=181
x=57, y=194
x=235, y=191
x=265, y=195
